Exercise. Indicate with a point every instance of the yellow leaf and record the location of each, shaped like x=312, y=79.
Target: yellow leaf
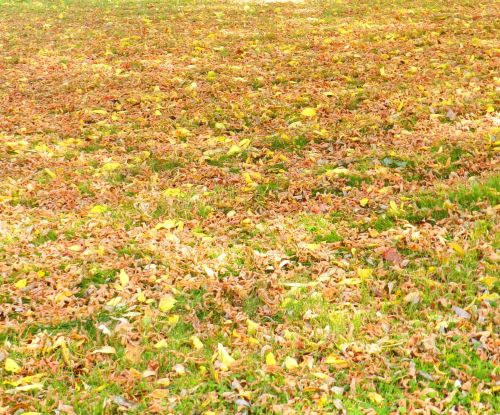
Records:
x=61, y=343
x=364, y=273
x=124, y=279
x=245, y=143
x=382, y=71
x=225, y=358
x=308, y=112
x=364, y=202
x=247, y=178
x=27, y=388
x=170, y=224
x=336, y=361
x=375, y=397
x=235, y=149
x=24, y=380
x=270, y=359
x=490, y=297
x=159, y=394
x=21, y=283
x=173, y=319
x=75, y=248
x=252, y=327
x=50, y=173
x=490, y=108
x=114, y=302
x=488, y=281
x=99, y=209
x=105, y=350
x=394, y=209
x=182, y=132
x=111, y=166
x=351, y=281
x=11, y=366
x=197, y=344
x=291, y=363
x=141, y=297
x=167, y=303
x=336, y=171
x=162, y=344
x=173, y=192
x=211, y=75
x=457, y=248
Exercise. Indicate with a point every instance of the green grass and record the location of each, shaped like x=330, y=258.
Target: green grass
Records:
x=431, y=206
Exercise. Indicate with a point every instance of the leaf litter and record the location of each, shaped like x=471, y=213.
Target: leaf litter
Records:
x=268, y=207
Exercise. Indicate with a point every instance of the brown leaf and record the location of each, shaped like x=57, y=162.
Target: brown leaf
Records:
x=393, y=256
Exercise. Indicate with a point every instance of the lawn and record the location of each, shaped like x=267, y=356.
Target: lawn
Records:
x=238, y=207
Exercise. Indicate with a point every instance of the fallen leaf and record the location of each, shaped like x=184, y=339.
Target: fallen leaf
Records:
x=336, y=361
x=375, y=397
x=124, y=278
x=20, y=284
x=270, y=359
x=393, y=256
x=167, y=303
x=460, y=312
x=308, y=112
x=105, y=350
x=224, y=356
x=197, y=344
x=11, y=366
x=291, y=363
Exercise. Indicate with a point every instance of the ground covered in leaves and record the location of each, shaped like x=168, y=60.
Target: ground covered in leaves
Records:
x=236, y=207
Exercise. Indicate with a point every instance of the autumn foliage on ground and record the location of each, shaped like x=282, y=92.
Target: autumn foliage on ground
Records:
x=214, y=207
